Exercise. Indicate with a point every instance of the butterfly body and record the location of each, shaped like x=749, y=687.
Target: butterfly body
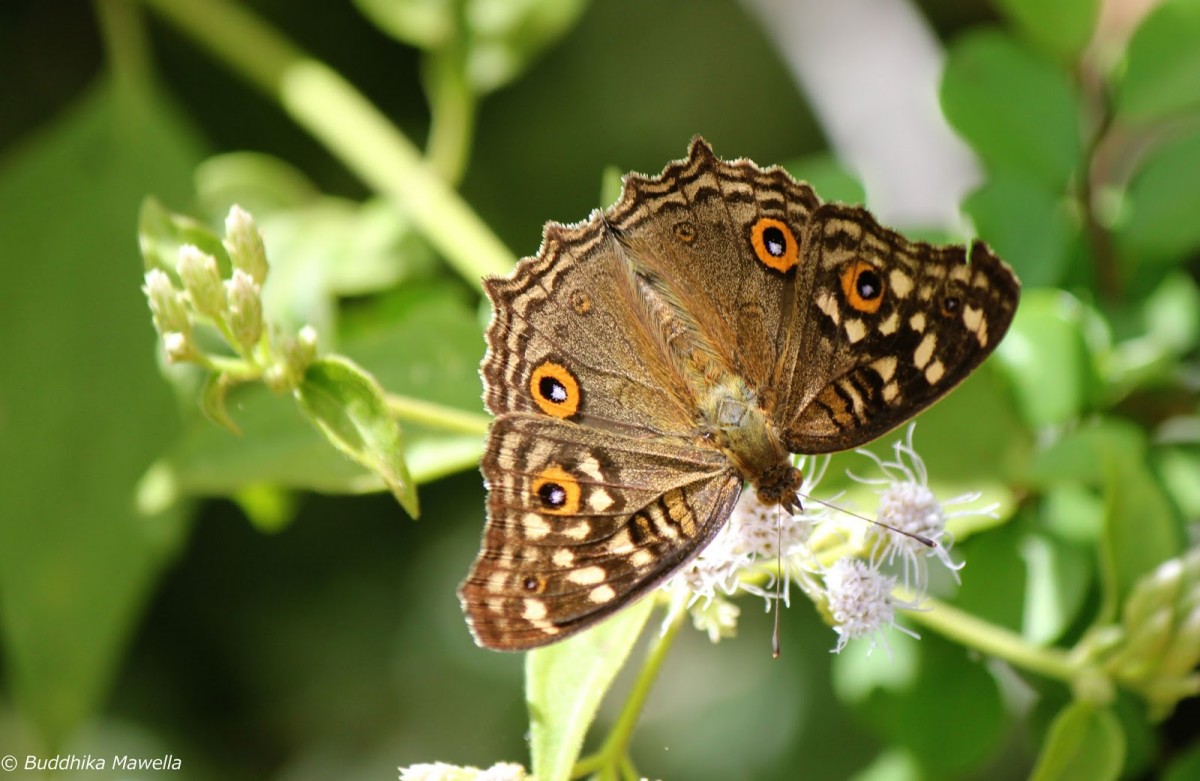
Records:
x=651, y=360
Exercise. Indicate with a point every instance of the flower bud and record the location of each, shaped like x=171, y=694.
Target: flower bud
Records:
x=244, y=244
x=202, y=281
x=245, y=309
x=166, y=304
x=178, y=346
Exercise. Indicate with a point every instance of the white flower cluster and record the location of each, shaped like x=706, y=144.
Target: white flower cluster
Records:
x=851, y=583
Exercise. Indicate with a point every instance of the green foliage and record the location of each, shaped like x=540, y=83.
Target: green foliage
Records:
x=352, y=368
x=349, y=408
x=1084, y=744
x=565, y=683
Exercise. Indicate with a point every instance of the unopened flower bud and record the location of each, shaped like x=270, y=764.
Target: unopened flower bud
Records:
x=245, y=309
x=202, y=280
x=166, y=304
x=178, y=346
x=244, y=244
x=304, y=348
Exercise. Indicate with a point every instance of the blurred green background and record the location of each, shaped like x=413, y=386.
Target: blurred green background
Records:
x=258, y=632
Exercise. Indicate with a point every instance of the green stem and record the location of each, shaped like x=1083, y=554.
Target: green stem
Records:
x=616, y=746
x=329, y=108
x=124, y=42
x=437, y=415
x=988, y=638
x=451, y=113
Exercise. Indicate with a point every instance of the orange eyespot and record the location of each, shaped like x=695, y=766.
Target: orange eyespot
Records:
x=554, y=389
x=863, y=285
x=774, y=244
x=951, y=305
x=534, y=584
x=581, y=302
x=685, y=232
x=556, y=491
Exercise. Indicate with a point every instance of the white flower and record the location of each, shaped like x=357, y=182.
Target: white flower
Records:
x=753, y=540
x=441, y=771
x=717, y=617
x=912, y=522
x=860, y=602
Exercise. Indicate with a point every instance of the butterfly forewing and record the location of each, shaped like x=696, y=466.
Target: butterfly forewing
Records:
x=888, y=327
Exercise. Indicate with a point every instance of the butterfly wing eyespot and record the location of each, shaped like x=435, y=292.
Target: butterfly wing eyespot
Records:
x=534, y=584
x=951, y=305
x=863, y=287
x=581, y=302
x=555, y=390
x=774, y=244
x=557, y=491
x=685, y=232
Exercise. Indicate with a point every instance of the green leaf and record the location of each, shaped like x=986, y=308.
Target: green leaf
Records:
x=1019, y=112
x=565, y=683
x=212, y=402
x=995, y=588
x=505, y=38
x=349, y=408
x=951, y=701
x=161, y=232
x=1180, y=470
x=1158, y=223
x=502, y=39
x=426, y=24
x=85, y=410
x=1028, y=225
x=1059, y=577
x=1048, y=358
x=1062, y=27
x=827, y=176
x=420, y=342
x=259, y=183
x=1163, y=60
x=1080, y=456
x=1142, y=529
x=1085, y=743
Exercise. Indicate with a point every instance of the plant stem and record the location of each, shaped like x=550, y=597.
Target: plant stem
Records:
x=616, y=746
x=329, y=108
x=451, y=112
x=988, y=638
x=124, y=42
x=437, y=415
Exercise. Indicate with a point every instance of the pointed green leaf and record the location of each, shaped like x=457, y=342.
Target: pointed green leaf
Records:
x=566, y=682
x=85, y=410
x=1027, y=224
x=1018, y=111
x=1085, y=743
x=349, y=408
x=1062, y=27
x=1163, y=62
x=827, y=176
x=212, y=402
x=161, y=232
x=1048, y=357
x=1159, y=222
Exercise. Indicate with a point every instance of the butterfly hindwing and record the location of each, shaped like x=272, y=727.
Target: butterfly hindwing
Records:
x=581, y=522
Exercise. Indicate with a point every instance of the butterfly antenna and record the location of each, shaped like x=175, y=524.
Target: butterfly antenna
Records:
x=776, y=649
x=928, y=543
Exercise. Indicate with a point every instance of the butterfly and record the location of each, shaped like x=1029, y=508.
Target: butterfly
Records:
x=651, y=361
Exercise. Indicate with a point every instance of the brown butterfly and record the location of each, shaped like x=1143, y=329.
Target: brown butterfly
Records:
x=651, y=360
